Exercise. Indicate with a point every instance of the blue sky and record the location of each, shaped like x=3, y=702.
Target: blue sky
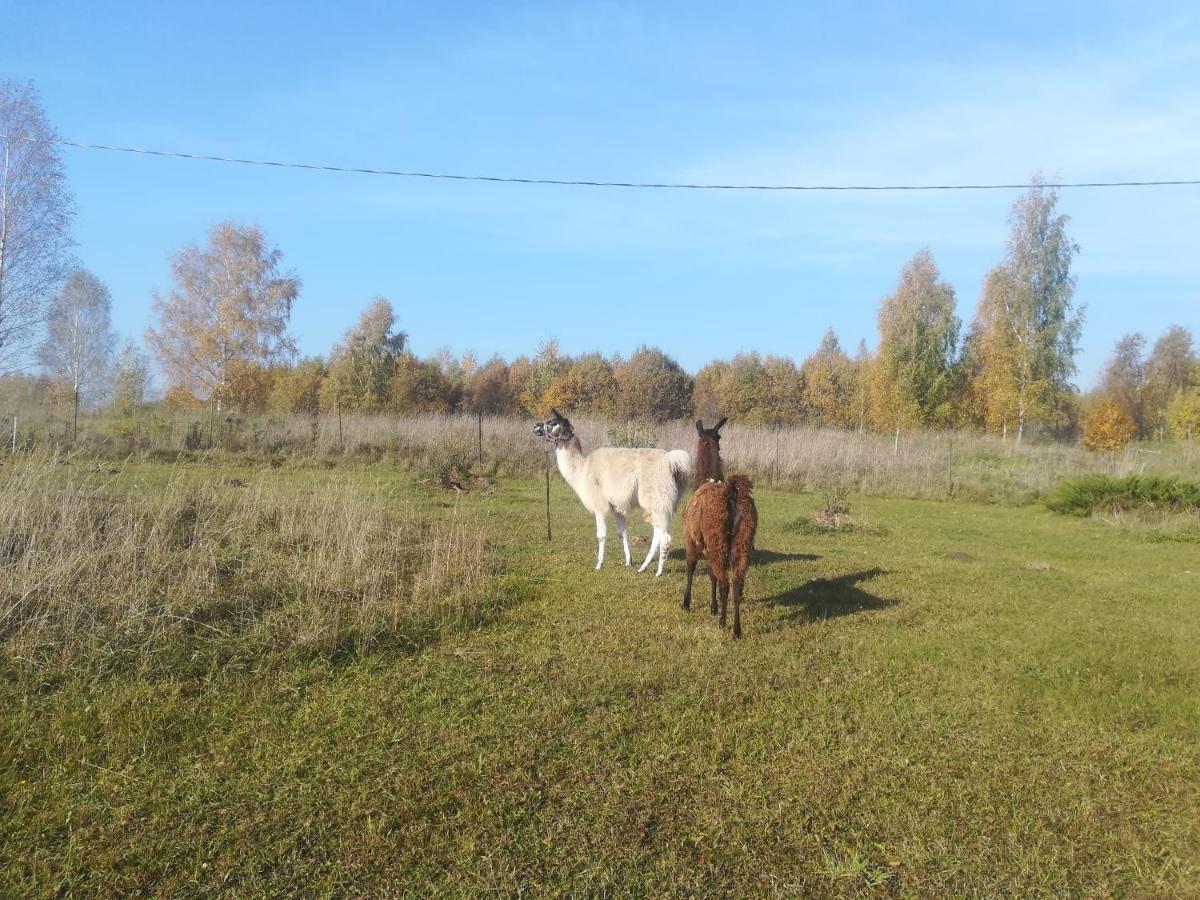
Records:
x=772, y=92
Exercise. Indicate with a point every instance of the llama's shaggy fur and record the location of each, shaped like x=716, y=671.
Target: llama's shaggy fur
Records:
x=707, y=464
x=617, y=479
x=719, y=524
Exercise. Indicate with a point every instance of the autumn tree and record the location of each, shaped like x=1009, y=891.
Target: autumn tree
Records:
x=736, y=389
x=916, y=367
x=229, y=307
x=828, y=391
x=1124, y=381
x=546, y=366
x=990, y=358
x=709, y=389
x=860, y=376
x=587, y=384
x=130, y=380
x=297, y=389
x=78, y=346
x=650, y=384
x=785, y=388
x=362, y=365
x=1170, y=369
x=420, y=386
x=1108, y=427
x=1183, y=412
x=520, y=373
x=251, y=385
x=36, y=210
x=487, y=389
x=1026, y=330
x=455, y=370
x=750, y=390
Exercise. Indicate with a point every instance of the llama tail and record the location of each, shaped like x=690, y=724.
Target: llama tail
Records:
x=680, y=463
x=737, y=489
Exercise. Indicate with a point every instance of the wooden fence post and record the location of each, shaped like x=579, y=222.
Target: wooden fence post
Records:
x=549, y=536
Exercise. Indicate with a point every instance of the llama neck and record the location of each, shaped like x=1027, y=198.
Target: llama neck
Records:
x=707, y=466
x=570, y=461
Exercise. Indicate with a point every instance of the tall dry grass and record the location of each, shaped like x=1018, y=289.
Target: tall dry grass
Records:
x=94, y=571
x=921, y=464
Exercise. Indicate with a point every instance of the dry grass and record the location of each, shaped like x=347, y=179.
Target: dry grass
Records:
x=921, y=464
x=221, y=570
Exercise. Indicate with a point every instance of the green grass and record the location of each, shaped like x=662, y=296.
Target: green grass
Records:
x=959, y=700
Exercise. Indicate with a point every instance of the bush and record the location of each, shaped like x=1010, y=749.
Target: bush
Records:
x=1084, y=496
x=1108, y=427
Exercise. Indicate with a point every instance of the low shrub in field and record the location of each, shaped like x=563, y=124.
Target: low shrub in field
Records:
x=1102, y=493
x=196, y=574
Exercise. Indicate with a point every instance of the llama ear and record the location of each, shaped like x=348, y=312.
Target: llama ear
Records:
x=700, y=427
x=717, y=427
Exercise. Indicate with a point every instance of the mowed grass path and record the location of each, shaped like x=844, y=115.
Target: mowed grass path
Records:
x=957, y=699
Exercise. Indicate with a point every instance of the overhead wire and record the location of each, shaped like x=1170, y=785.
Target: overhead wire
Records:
x=579, y=182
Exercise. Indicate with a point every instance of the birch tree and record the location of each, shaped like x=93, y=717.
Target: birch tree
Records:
x=362, y=365
x=77, y=350
x=229, y=306
x=35, y=220
x=992, y=357
x=130, y=379
x=1036, y=305
x=916, y=367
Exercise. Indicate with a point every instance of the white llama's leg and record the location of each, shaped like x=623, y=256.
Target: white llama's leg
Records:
x=664, y=545
x=624, y=532
x=653, y=546
x=601, y=534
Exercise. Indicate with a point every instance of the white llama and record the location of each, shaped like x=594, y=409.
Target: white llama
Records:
x=616, y=479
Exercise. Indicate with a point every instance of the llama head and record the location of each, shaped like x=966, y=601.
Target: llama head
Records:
x=713, y=433
x=557, y=429
x=706, y=465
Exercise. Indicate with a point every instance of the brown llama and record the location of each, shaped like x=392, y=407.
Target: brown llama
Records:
x=719, y=524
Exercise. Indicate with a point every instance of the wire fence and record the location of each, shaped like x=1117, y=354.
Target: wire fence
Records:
x=454, y=447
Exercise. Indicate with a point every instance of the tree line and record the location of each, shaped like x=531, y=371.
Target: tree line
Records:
x=220, y=338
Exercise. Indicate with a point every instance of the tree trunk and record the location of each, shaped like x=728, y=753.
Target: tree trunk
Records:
x=75, y=420
x=1021, y=414
x=3, y=220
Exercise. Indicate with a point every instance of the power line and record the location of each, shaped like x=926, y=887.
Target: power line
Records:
x=668, y=185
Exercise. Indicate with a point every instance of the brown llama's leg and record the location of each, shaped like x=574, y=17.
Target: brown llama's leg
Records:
x=737, y=607
x=724, y=600
x=712, y=577
x=692, y=558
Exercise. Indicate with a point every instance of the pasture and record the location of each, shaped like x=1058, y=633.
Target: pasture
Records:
x=360, y=678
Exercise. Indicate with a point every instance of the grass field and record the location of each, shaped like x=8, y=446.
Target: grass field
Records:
x=950, y=699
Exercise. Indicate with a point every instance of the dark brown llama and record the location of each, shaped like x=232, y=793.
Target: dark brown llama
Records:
x=719, y=524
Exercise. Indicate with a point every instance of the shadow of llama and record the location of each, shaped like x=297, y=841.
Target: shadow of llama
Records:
x=719, y=524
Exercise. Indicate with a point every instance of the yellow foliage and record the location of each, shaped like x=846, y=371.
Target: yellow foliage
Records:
x=179, y=397
x=1108, y=427
x=1183, y=414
